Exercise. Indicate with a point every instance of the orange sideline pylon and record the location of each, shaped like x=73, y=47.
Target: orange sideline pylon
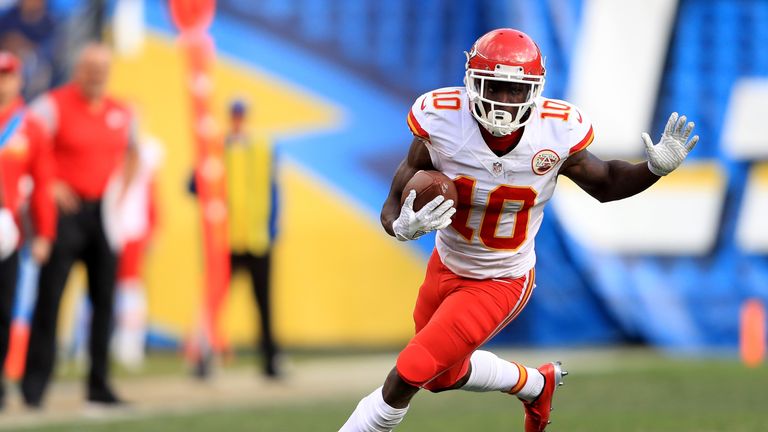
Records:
x=752, y=333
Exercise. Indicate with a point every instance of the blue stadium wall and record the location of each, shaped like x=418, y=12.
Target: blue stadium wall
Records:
x=405, y=48
x=373, y=58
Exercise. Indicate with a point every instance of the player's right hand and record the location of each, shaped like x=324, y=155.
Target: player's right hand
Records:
x=411, y=224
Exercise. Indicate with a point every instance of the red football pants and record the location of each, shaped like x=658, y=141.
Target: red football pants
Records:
x=454, y=316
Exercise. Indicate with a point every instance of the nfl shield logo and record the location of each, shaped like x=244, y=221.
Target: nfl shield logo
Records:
x=497, y=168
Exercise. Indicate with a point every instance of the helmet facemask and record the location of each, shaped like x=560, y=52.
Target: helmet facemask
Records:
x=490, y=113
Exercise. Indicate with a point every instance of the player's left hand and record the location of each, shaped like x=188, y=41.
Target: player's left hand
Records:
x=669, y=153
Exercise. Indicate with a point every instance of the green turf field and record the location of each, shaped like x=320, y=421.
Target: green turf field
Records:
x=647, y=394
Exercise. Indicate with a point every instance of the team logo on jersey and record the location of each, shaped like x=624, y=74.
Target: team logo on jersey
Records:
x=543, y=161
x=497, y=168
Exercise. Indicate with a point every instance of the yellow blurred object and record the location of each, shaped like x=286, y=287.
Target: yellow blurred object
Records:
x=760, y=173
x=695, y=188
x=338, y=278
x=249, y=188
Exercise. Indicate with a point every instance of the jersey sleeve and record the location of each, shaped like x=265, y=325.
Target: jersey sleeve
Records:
x=417, y=118
x=436, y=117
x=581, y=133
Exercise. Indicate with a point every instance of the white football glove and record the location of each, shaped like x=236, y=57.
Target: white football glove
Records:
x=435, y=215
x=9, y=234
x=674, y=146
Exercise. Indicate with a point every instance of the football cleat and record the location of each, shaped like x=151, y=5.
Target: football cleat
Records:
x=537, y=411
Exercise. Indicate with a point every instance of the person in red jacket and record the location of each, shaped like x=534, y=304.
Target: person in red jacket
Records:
x=24, y=151
x=93, y=135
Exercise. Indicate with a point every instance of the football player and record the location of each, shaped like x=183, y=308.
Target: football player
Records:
x=504, y=145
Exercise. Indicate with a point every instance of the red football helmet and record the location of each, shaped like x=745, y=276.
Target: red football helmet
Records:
x=508, y=56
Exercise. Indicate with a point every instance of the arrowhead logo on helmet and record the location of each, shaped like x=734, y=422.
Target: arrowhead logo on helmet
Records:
x=503, y=57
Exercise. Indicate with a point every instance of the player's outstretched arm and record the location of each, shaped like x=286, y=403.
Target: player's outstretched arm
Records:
x=417, y=159
x=615, y=180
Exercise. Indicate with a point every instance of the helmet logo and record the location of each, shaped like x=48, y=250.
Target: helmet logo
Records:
x=544, y=161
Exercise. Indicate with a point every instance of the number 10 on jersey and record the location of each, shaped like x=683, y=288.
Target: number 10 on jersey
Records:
x=525, y=197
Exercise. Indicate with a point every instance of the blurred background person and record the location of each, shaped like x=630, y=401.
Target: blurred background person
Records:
x=92, y=135
x=130, y=219
x=252, y=203
x=24, y=151
x=28, y=30
x=252, y=211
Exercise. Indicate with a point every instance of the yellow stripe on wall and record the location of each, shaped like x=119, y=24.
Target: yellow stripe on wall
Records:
x=692, y=175
x=695, y=175
x=340, y=278
x=759, y=173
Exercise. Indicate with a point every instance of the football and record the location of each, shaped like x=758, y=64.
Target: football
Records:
x=428, y=185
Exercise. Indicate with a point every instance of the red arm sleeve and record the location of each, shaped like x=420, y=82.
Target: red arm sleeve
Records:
x=42, y=204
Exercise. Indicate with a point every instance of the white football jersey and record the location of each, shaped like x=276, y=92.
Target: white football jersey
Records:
x=501, y=199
